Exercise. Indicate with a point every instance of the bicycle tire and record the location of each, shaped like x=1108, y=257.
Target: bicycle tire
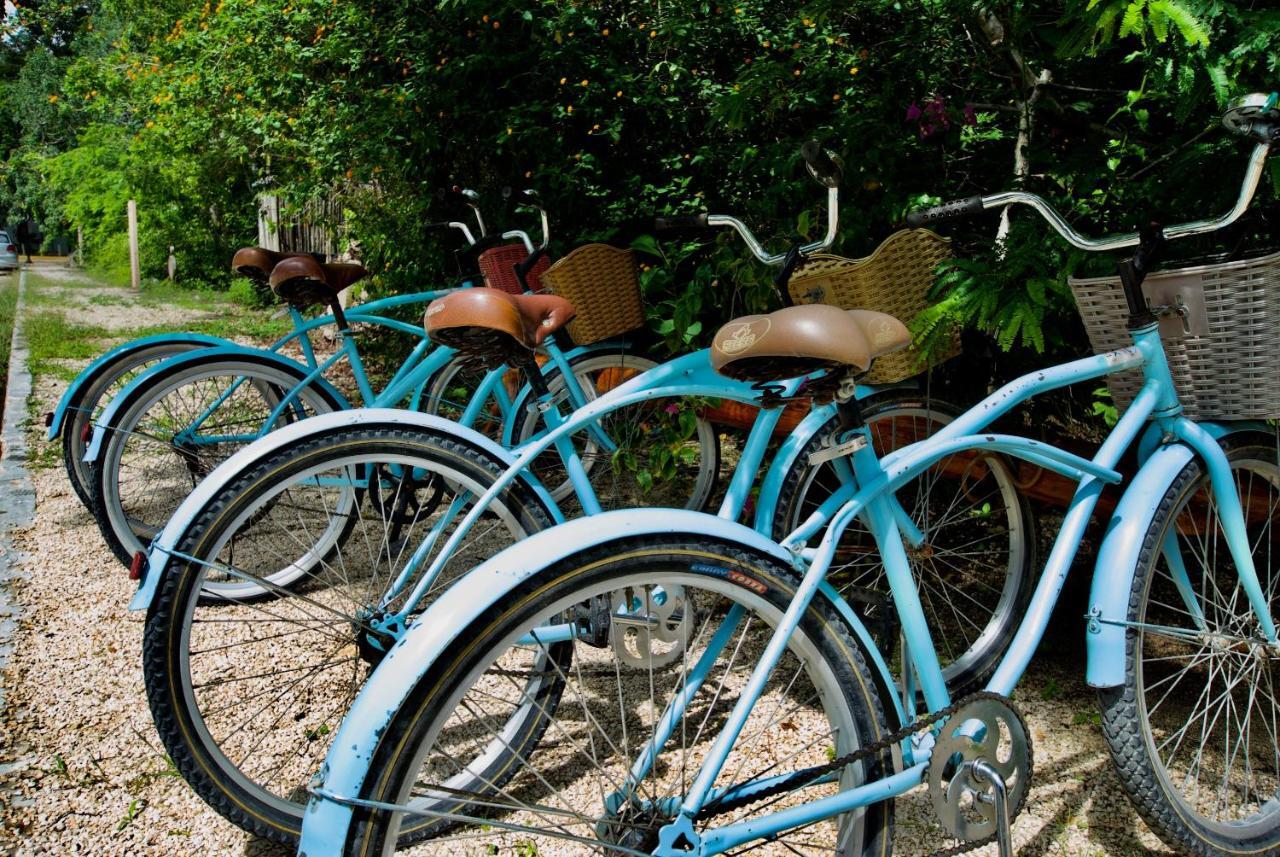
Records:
x=83, y=409
x=122, y=529
x=823, y=649
x=1132, y=722
x=692, y=484
x=200, y=722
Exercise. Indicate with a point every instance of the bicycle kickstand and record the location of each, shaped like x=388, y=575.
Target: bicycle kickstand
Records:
x=1004, y=838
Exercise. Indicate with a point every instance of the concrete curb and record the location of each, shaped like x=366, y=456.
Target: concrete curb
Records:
x=17, y=496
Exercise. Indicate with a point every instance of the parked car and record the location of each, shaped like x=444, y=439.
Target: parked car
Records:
x=8, y=253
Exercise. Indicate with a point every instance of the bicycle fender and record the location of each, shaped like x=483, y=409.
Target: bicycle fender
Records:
x=108, y=415
x=296, y=433
x=785, y=458
x=90, y=372
x=326, y=821
x=1118, y=563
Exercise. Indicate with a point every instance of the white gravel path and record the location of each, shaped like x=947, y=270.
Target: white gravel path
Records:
x=81, y=771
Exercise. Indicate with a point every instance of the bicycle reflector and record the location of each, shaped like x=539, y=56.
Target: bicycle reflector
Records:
x=135, y=567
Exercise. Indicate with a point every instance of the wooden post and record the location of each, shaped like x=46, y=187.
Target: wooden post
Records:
x=80, y=246
x=135, y=270
x=173, y=265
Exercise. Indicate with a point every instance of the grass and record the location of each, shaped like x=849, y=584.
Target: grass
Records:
x=8, y=305
x=55, y=339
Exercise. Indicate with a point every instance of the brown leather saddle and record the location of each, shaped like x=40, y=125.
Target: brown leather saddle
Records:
x=799, y=340
x=302, y=281
x=494, y=326
x=257, y=263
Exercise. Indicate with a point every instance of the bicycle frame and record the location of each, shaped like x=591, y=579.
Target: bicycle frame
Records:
x=690, y=375
x=876, y=479
x=406, y=385
x=869, y=498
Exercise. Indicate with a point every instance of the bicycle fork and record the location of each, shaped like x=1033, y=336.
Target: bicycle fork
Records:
x=1231, y=516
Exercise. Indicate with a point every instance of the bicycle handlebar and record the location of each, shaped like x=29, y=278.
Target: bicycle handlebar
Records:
x=821, y=165
x=529, y=198
x=824, y=169
x=1250, y=119
x=961, y=208
x=469, y=198
x=454, y=224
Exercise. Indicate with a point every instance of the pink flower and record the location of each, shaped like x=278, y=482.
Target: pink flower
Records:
x=672, y=409
x=970, y=115
x=913, y=112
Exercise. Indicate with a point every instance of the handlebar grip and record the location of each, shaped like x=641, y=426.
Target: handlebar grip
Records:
x=820, y=164
x=667, y=224
x=954, y=210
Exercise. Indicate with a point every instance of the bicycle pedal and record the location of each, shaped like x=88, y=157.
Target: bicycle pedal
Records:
x=840, y=450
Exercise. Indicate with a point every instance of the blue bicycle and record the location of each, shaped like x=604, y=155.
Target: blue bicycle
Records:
x=379, y=512
x=168, y=428
x=82, y=403
x=761, y=714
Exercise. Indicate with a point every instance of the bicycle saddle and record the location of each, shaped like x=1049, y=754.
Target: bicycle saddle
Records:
x=494, y=325
x=256, y=263
x=798, y=340
x=302, y=281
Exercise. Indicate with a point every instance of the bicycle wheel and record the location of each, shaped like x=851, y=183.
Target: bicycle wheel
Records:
x=974, y=568
x=1193, y=728
x=667, y=597
x=665, y=454
x=177, y=428
x=83, y=410
x=246, y=694
x=452, y=388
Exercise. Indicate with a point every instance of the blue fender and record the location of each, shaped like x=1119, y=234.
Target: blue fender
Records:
x=325, y=823
x=108, y=416
x=1117, y=562
x=296, y=433
x=90, y=372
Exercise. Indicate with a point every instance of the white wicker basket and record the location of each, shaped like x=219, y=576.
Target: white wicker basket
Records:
x=1221, y=329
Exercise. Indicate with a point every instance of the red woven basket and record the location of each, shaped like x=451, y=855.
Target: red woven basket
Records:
x=498, y=267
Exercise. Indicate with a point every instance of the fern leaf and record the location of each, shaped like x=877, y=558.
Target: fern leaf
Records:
x=1158, y=19
x=1194, y=32
x=1221, y=86
x=1132, y=24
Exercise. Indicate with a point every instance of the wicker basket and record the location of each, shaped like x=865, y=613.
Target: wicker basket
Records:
x=602, y=284
x=498, y=267
x=1220, y=325
x=894, y=279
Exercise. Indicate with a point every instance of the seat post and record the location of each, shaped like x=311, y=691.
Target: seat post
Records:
x=848, y=408
x=339, y=317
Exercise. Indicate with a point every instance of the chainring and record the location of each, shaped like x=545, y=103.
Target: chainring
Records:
x=988, y=730
x=650, y=625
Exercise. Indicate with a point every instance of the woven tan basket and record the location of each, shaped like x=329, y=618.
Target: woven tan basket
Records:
x=1220, y=325
x=604, y=287
x=894, y=279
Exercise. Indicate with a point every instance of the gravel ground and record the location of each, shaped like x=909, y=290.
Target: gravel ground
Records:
x=81, y=770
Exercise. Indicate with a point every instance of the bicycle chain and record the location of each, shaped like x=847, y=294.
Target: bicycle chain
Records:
x=803, y=778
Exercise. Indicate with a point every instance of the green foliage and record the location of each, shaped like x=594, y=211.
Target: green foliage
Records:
x=1016, y=290
x=616, y=110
